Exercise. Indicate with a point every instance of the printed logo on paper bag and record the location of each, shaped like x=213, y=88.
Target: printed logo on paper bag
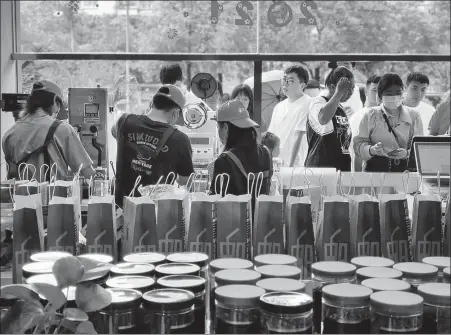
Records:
x=23, y=255
x=266, y=247
x=335, y=251
x=428, y=248
x=198, y=246
x=141, y=247
x=232, y=249
x=59, y=247
x=167, y=245
x=365, y=248
x=98, y=248
x=397, y=250
x=303, y=252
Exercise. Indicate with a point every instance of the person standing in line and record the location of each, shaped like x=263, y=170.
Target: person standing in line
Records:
x=417, y=85
x=289, y=119
x=440, y=121
x=354, y=121
x=328, y=131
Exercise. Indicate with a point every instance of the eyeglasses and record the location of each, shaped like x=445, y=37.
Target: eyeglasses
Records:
x=288, y=81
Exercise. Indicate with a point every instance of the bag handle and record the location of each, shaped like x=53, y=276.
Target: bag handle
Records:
x=291, y=180
x=250, y=187
x=351, y=187
x=405, y=183
x=155, y=188
x=221, y=183
x=26, y=170
x=56, y=172
x=28, y=191
x=190, y=182
x=43, y=174
x=112, y=186
x=382, y=183
x=19, y=168
x=259, y=184
x=373, y=190
x=12, y=190
x=173, y=178
x=137, y=181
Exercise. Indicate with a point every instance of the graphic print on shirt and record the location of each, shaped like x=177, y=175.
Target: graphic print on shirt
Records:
x=140, y=164
x=343, y=129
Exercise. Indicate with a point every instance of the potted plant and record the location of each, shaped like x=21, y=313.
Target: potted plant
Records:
x=28, y=314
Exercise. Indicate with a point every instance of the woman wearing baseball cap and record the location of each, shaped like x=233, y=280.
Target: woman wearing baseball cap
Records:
x=242, y=154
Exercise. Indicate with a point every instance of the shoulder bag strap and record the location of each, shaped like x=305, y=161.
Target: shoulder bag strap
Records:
x=240, y=166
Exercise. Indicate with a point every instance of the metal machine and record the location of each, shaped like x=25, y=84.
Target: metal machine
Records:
x=88, y=114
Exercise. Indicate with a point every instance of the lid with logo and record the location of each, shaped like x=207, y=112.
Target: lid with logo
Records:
x=154, y=258
x=168, y=300
x=131, y=282
x=378, y=272
x=441, y=262
x=197, y=258
x=279, y=271
x=347, y=295
x=274, y=259
x=386, y=284
x=438, y=294
x=416, y=270
x=122, y=298
x=36, y=268
x=237, y=276
x=286, y=302
x=396, y=303
x=230, y=263
x=140, y=269
x=103, y=258
x=49, y=256
x=333, y=269
x=281, y=285
x=367, y=261
x=176, y=269
x=193, y=284
x=240, y=296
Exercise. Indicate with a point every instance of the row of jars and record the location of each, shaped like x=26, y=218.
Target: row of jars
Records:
x=267, y=296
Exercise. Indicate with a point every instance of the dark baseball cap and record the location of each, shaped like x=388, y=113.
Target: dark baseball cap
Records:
x=233, y=111
x=173, y=93
x=47, y=86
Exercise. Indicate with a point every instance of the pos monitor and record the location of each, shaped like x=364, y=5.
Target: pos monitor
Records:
x=438, y=145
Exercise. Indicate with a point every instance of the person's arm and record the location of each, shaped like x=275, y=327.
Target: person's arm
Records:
x=363, y=147
x=328, y=111
x=299, y=132
x=436, y=119
x=272, y=125
x=185, y=163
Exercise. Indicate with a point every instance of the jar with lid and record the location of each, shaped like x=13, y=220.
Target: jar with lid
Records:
x=170, y=269
x=326, y=273
x=286, y=313
x=281, y=285
x=122, y=316
x=49, y=256
x=396, y=312
x=139, y=283
x=154, y=258
x=447, y=275
x=437, y=308
x=440, y=262
x=102, y=258
x=386, y=284
x=377, y=272
x=274, y=259
x=279, y=271
x=416, y=273
x=196, y=285
x=369, y=261
x=216, y=266
x=168, y=311
x=237, y=309
x=197, y=258
x=346, y=309
x=132, y=269
x=36, y=268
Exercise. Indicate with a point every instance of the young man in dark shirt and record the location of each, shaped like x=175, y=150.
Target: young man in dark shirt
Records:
x=149, y=146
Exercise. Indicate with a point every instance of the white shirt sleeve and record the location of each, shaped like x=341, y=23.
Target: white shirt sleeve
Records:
x=315, y=107
x=301, y=125
x=273, y=125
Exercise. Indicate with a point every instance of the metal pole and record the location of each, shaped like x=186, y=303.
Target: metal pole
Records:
x=127, y=74
x=258, y=26
x=258, y=91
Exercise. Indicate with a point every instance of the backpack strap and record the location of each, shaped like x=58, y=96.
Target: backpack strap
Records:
x=240, y=166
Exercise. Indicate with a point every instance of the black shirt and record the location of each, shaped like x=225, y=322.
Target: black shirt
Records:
x=328, y=145
x=175, y=155
x=254, y=158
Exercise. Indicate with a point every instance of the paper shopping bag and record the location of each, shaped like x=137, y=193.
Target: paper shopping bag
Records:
x=101, y=233
x=65, y=189
x=334, y=230
x=447, y=230
x=233, y=214
x=140, y=225
x=170, y=208
x=300, y=238
x=426, y=226
x=202, y=223
x=365, y=225
x=28, y=231
x=312, y=191
x=62, y=225
x=395, y=227
x=268, y=225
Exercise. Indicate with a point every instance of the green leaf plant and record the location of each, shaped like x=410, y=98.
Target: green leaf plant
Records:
x=40, y=308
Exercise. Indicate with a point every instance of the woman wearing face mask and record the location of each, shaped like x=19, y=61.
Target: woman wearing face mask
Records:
x=244, y=94
x=386, y=131
x=242, y=154
x=328, y=131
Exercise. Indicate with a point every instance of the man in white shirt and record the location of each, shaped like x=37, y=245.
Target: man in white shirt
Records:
x=416, y=88
x=354, y=121
x=289, y=119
